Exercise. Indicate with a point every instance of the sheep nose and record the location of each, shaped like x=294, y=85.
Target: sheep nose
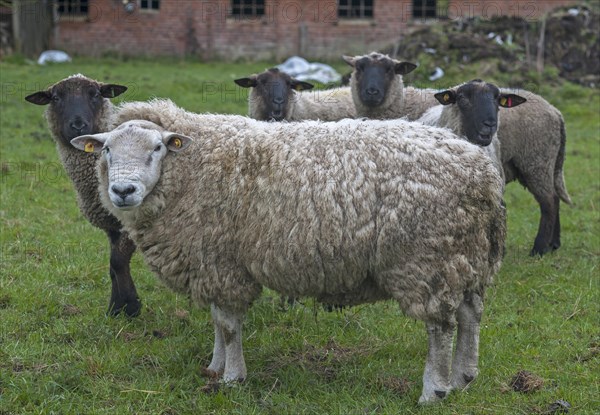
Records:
x=122, y=190
x=278, y=100
x=373, y=91
x=490, y=123
x=78, y=125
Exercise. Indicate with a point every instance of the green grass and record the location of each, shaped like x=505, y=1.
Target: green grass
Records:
x=60, y=354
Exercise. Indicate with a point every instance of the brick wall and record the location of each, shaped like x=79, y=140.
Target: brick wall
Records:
x=205, y=28
x=526, y=9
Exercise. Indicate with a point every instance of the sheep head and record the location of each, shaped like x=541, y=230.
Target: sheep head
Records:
x=271, y=94
x=374, y=75
x=76, y=105
x=131, y=159
x=477, y=103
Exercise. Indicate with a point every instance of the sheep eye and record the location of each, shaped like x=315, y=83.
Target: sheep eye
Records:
x=157, y=148
x=55, y=98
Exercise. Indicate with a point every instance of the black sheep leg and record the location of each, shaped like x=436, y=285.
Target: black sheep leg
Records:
x=549, y=211
x=123, y=296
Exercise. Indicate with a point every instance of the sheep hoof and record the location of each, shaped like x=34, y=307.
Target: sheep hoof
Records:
x=211, y=374
x=462, y=381
x=436, y=396
x=232, y=383
x=131, y=308
x=540, y=251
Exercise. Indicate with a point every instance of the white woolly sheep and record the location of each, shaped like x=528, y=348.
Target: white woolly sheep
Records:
x=346, y=212
x=275, y=95
x=79, y=105
x=470, y=111
x=532, y=137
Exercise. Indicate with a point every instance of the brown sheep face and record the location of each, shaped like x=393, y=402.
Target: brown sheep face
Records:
x=76, y=105
x=478, y=103
x=273, y=92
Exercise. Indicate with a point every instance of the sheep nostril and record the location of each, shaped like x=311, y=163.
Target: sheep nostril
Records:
x=123, y=190
x=78, y=125
x=373, y=91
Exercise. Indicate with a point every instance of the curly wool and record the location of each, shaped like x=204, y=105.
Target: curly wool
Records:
x=409, y=212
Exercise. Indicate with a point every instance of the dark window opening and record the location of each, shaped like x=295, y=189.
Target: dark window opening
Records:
x=73, y=7
x=424, y=9
x=149, y=4
x=355, y=9
x=247, y=8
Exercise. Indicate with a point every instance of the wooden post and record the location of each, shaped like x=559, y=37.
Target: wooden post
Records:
x=540, y=47
x=32, y=26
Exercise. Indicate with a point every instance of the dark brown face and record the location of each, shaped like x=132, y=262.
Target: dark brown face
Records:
x=374, y=79
x=478, y=103
x=374, y=76
x=275, y=91
x=77, y=104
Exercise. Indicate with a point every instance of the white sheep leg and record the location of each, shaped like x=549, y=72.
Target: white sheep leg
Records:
x=217, y=364
x=228, y=356
x=466, y=356
x=436, y=379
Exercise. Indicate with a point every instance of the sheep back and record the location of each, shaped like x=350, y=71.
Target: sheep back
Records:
x=325, y=105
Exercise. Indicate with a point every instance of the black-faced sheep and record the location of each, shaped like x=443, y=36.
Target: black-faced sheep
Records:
x=78, y=105
x=532, y=136
x=277, y=96
x=347, y=212
x=471, y=111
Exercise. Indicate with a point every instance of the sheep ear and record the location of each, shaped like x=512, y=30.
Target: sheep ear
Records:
x=300, y=85
x=350, y=60
x=90, y=143
x=510, y=100
x=176, y=142
x=402, y=68
x=246, y=82
x=39, y=98
x=112, y=90
x=446, y=97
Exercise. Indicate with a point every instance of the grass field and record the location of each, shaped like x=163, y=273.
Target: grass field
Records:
x=60, y=354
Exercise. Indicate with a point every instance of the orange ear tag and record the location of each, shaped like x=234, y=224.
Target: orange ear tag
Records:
x=177, y=142
x=88, y=147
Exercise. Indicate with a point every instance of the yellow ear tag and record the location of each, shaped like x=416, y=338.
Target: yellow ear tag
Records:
x=446, y=97
x=177, y=142
x=503, y=101
x=88, y=147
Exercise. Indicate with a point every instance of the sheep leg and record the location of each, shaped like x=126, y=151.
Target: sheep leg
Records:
x=217, y=364
x=466, y=355
x=555, y=244
x=542, y=243
x=436, y=378
x=123, y=295
x=228, y=355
